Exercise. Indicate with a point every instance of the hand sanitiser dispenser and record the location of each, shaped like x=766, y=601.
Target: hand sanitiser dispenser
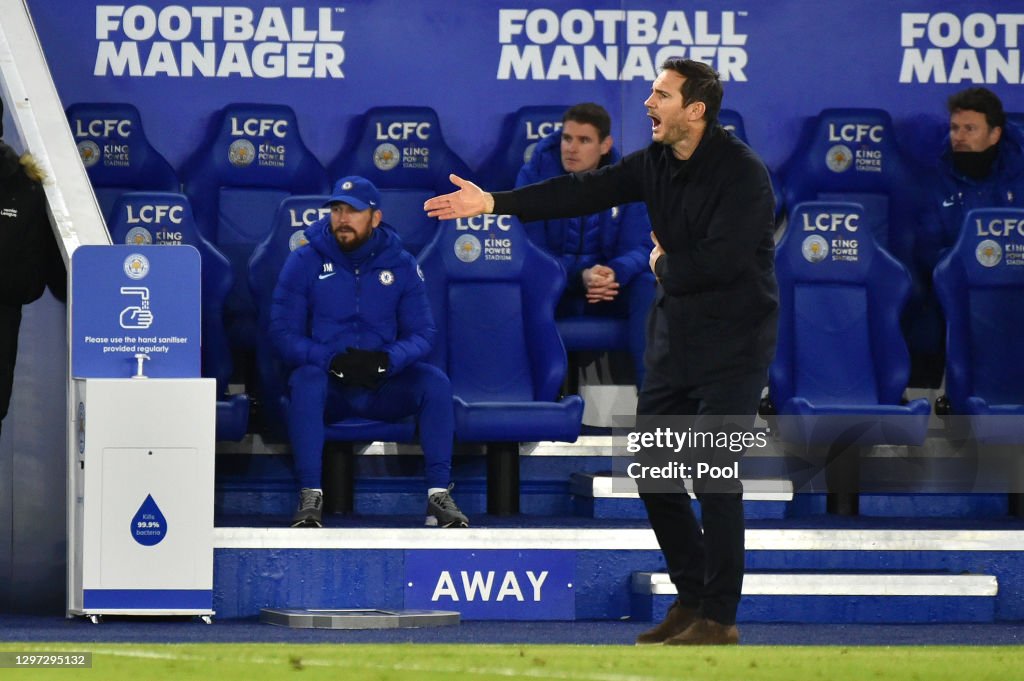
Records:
x=141, y=466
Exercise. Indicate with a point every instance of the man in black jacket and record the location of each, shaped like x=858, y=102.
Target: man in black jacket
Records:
x=711, y=334
x=28, y=252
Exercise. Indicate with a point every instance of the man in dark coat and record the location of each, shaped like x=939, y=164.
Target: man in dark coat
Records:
x=981, y=166
x=28, y=252
x=711, y=334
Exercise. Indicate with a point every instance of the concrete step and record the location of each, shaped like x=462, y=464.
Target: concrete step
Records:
x=602, y=495
x=841, y=597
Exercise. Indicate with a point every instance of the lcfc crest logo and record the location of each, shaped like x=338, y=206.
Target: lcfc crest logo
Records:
x=386, y=156
x=467, y=248
x=90, y=153
x=839, y=158
x=814, y=248
x=989, y=253
x=241, y=153
x=297, y=240
x=138, y=236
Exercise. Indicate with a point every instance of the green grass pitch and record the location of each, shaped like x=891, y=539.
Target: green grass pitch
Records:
x=386, y=662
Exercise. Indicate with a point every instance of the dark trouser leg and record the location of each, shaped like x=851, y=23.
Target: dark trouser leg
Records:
x=681, y=542
x=706, y=569
x=721, y=501
x=671, y=514
x=722, y=517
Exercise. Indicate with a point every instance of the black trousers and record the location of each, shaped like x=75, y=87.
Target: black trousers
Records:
x=705, y=567
x=10, y=322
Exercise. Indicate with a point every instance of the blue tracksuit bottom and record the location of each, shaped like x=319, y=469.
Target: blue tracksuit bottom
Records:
x=421, y=390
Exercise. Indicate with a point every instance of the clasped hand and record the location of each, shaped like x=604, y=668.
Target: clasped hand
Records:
x=600, y=283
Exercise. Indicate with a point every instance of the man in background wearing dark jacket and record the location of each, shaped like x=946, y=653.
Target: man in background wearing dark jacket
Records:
x=29, y=258
x=605, y=253
x=982, y=166
x=351, y=319
x=712, y=332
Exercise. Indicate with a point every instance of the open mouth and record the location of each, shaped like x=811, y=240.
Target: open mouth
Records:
x=655, y=122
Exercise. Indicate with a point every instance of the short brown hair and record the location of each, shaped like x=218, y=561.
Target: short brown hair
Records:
x=982, y=100
x=702, y=84
x=594, y=114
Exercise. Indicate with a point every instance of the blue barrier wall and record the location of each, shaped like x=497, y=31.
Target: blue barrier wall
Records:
x=476, y=61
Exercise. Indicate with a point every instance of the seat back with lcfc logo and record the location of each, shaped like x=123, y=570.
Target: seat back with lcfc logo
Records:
x=852, y=155
x=254, y=158
x=493, y=295
x=519, y=134
x=291, y=219
x=165, y=219
x=116, y=153
x=403, y=211
x=840, y=298
x=980, y=284
x=400, y=147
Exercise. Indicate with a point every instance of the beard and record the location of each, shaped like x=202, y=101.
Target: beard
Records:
x=348, y=240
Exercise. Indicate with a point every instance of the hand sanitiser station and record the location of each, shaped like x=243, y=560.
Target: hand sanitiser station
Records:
x=141, y=466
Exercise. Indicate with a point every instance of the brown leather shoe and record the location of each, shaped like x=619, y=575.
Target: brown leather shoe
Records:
x=676, y=622
x=705, y=632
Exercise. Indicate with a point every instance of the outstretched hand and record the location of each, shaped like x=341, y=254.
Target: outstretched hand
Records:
x=468, y=201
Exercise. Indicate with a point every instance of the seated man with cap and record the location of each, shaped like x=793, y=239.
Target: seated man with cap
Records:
x=350, y=318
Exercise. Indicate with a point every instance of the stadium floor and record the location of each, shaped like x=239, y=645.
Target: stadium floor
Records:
x=32, y=628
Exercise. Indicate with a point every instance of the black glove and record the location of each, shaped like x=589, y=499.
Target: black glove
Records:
x=366, y=368
x=341, y=366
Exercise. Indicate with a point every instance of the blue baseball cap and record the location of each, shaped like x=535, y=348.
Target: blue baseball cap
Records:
x=357, y=192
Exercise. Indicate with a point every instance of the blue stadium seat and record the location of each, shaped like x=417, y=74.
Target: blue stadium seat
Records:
x=519, y=134
x=293, y=216
x=116, y=153
x=400, y=147
x=493, y=294
x=841, y=366
x=980, y=284
x=164, y=218
x=403, y=210
x=852, y=155
x=594, y=334
x=253, y=159
x=733, y=122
